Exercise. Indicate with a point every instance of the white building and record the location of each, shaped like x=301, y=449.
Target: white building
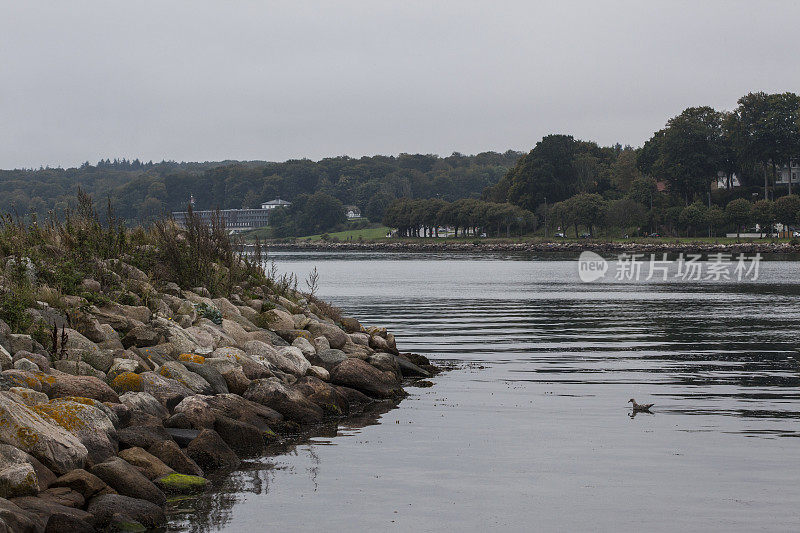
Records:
x=352, y=211
x=785, y=171
x=272, y=204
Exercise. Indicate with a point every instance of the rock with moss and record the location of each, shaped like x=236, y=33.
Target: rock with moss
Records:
x=54, y=446
x=181, y=483
x=88, y=423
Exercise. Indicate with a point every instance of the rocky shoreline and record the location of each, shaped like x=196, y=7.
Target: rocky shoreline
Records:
x=134, y=403
x=542, y=247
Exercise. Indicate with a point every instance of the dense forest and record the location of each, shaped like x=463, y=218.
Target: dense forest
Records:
x=679, y=182
x=141, y=192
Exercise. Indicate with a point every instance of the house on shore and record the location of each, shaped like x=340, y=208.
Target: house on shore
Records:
x=352, y=212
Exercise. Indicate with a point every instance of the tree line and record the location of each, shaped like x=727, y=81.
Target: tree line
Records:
x=426, y=217
x=142, y=192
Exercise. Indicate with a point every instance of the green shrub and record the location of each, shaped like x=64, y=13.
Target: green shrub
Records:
x=211, y=313
x=12, y=310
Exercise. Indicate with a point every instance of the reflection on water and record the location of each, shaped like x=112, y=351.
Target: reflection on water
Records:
x=532, y=430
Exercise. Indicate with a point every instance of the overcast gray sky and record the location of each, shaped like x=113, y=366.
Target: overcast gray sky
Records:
x=211, y=80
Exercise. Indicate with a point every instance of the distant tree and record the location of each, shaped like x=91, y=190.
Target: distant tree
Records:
x=787, y=209
x=740, y=213
x=691, y=151
x=376, y=206
x=769, y=130
x=764, y=215
x=624, y=171
x=586, y=209
x=693, y=217
x=716, y=218
x=626, y=213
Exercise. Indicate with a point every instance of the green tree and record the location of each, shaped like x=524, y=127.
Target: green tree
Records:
x=764, y=215
x=740, y=213
x=586, y=209
x=691, y=151
x=787, y=209
x=694, y=217
x=716, y=218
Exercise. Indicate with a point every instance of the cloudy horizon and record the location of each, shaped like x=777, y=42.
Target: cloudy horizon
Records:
x=210, y=81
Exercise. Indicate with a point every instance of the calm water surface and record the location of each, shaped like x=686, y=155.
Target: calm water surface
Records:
x=531, y=430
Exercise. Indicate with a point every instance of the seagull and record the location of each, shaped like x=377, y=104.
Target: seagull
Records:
x=640, y=407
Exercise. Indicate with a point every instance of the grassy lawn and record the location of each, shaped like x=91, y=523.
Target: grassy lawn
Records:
x=367, y=234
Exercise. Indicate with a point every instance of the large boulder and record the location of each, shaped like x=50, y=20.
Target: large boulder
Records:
x=210, y=374
x=86, y=484
x=178, y=372
x=305, y=346
x=145, y=402
x=42, y=362
x=211, y=452
x=142, y=336
x=127, y=480
x=330, y=357
x=88, y=423
x=243, y=438
x=275, y=320
x=18, y=480
x=78, y=368
x=29, y=396
x=253, y=413
x=171, y=455
x=336, y=337
x=251, y=368
x=18, y=520
x=112, y=510
x=197, y=410
x=148, y=464
x=11, y=456
x=287, y=359
x=166, y=390
x=235, y=331
x=15, y=519
x=142, y=436
x=55, y=447
x=287, y=401
x=351, y=325
x=45, y=508
x=364, y=377
x=61, y=385
x=323, y=394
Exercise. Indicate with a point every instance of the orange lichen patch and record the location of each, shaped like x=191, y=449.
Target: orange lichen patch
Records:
x=26, y=437
x=167, y=373
x=192, y=358
x=63, y=414
x=127, y=382
x=28, y=382
x=44, y=378
x=80, y=399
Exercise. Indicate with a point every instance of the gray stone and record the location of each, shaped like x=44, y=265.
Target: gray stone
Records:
x=178, y=372
x=287, y=401
x=112, y=509
x=145, y=402
x=56, y=448
x=128, y=481
x=210, y=374
x=211, y=452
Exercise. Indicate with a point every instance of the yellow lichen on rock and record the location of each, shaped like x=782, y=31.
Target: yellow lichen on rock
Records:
x=192, y=358
x=64, y=414
x=127, y=382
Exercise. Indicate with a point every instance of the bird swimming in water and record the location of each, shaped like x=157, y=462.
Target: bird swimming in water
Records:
x=638, y=407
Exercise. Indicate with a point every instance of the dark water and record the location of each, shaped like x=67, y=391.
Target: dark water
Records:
x=531, y=430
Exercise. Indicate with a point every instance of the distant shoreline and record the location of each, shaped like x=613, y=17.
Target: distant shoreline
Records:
x=542, y=247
